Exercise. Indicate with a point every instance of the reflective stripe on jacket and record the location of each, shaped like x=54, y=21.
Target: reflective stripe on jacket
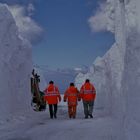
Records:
x=52, y=95
x=71, y=95
x=88, y=92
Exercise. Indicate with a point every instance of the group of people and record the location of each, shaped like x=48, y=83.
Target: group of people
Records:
x=72, y=95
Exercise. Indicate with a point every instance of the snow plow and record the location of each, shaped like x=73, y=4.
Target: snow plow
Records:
x=38, y=103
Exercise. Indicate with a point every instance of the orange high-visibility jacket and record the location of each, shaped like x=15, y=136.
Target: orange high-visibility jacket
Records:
x=71, y=95
x=88, y=92
x=52, y=94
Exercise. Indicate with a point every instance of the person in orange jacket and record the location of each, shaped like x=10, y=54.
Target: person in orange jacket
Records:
x=52, y=96
x=88, y=95
x=71, y=95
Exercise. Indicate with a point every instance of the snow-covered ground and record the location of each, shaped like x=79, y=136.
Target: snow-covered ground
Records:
x=39, y=126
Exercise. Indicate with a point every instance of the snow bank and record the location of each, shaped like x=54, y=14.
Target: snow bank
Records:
x=131, y=79
x=116, y=74
x=106, y=72
x=15, y=65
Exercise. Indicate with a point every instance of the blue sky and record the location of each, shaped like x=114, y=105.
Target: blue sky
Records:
x=67, y=40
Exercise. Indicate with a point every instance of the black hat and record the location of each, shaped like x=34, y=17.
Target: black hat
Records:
x=71, y=84
x=51, y=82
x=87, y=81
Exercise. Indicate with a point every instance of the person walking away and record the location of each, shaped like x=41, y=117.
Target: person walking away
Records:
x=88, y=95
x=71, y=95
x=52, y=96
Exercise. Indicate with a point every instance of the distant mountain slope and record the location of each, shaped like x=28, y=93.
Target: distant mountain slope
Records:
x=61, y=77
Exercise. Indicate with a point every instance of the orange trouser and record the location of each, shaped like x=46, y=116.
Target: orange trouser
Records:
x=72, y=111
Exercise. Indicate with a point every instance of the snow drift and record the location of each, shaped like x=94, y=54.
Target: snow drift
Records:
x=116, y=74
x=15, y=68
x=106, y=72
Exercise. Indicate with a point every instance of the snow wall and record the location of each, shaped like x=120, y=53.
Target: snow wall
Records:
x=116, y=74
x=106, y=72
x=131, y=77
x=15, y=68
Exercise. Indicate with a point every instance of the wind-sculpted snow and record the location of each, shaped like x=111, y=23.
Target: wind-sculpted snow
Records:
x=15, y=68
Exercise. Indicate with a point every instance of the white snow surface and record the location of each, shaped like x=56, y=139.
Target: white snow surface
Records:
x=38, y=126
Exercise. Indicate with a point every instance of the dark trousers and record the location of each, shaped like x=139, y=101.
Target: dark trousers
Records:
x=53, y=110
x=88, y=107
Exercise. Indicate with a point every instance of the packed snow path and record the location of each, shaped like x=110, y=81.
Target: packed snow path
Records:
x=40, y=127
